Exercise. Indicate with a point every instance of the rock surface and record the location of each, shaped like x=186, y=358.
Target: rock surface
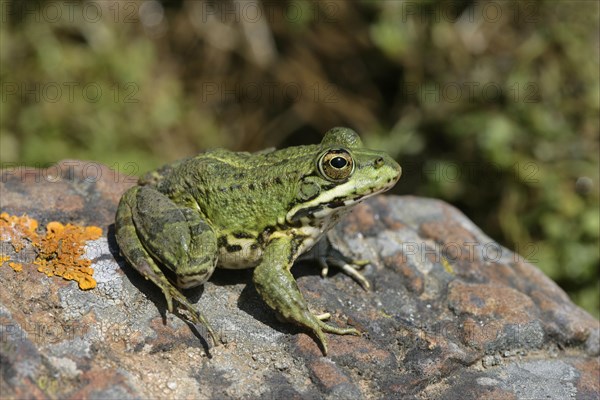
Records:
x=451, y=314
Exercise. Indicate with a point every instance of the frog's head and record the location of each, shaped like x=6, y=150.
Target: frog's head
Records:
x=343, y=173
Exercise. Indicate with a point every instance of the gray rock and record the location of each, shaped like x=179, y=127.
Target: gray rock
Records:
x=452, y=314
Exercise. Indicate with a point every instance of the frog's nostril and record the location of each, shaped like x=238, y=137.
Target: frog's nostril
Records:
x=378, y=162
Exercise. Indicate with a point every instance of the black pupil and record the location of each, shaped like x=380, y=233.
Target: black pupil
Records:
x=338, y=162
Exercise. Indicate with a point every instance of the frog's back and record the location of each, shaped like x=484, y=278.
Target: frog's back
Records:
x=238, y=190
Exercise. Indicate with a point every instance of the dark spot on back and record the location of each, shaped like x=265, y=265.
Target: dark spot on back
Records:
x=242, y=235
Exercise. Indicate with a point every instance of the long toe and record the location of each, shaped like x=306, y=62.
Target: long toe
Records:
x=339, y=331
x=322, y=340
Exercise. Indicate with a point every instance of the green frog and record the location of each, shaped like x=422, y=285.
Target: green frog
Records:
x=249, y=210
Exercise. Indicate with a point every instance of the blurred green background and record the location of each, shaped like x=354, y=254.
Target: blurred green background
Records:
x=491, y=106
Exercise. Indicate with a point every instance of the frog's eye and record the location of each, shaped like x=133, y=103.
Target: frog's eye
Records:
x=336, y=165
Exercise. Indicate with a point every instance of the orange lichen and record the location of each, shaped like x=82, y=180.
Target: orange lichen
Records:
x=58, y=252
x=16, y=266
x=18, y=231
x=61, y=250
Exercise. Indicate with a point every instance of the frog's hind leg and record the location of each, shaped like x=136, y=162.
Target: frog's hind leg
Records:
x=133, y=250
x=149, y=227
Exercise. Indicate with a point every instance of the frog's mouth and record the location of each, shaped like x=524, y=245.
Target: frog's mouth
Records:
x=336, y=200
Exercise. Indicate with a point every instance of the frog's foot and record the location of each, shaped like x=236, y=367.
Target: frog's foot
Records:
x=332, y=329
x=318, y=327
x=194, y=317
x=323, y=327
x=324, y=316
x=315, y=323
x=348, y=266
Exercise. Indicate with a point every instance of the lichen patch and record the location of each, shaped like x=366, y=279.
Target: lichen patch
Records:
x=58, y=253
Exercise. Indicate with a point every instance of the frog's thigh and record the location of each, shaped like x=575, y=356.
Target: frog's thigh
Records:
x=175, y=235
x=129, y=242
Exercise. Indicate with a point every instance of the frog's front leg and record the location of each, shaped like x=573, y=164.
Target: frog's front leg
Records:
x=276, y=285
x=327, y=254
x=151, y=228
